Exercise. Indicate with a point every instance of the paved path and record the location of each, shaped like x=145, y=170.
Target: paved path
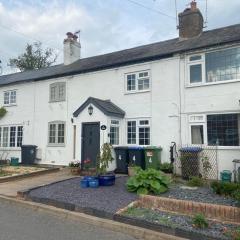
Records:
x=20, y=223
x=10, y=189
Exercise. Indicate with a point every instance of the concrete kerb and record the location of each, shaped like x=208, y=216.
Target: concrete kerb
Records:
x=134, y=231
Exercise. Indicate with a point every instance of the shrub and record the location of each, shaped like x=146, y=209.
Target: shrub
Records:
x=148, y=181
x=200, y=221
x=224, y=188
x=195, y=182
x=236, y=195
x=166, y=167
x=74, y=164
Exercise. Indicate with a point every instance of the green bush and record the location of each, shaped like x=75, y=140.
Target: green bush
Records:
x=195, y=182
x=236, y=195
x=166, y=167
x=224, y=188
x=200, y=221
x=148, y=181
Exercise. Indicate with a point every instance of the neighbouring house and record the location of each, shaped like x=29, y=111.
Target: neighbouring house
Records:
x=184, y=90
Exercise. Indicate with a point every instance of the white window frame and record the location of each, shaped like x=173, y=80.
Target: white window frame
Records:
x=137, y=78
x=115, y=123
x=196, y=62
x=10, y=93
x=203, y=62
x=56, y=144
x=57, y=97
x=9, y=135
x=137, y=130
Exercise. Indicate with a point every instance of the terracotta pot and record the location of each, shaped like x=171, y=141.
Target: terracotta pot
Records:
x=75, y=170
x=131, y=171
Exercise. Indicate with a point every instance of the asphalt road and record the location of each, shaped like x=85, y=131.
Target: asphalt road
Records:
x=20, y=223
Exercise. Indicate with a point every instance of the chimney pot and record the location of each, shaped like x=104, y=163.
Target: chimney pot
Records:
x=193, y=6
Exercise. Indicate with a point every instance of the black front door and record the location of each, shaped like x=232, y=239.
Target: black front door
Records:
x=90, y=143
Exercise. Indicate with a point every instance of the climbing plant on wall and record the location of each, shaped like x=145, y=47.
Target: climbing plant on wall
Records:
x=3, y=111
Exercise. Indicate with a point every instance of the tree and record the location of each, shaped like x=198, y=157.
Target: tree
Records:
x=34, y=57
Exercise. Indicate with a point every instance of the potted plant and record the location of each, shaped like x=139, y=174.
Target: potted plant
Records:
x=75, y=167
x=104, y=159
x=131, y=169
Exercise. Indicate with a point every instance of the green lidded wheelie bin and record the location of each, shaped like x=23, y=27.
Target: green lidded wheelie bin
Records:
x=152, y=157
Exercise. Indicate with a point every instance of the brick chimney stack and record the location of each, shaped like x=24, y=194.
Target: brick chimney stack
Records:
x=190, y=22
x=72, y=48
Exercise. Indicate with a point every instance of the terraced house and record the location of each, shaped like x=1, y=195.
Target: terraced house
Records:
x=184, y=90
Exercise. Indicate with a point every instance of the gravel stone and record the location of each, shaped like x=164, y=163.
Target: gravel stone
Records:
x=109, y=199
x=201, y=194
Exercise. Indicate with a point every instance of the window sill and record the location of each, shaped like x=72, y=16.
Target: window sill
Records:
x=135, y=92
x=228, y=147
x=211, y=83
x=57, y=101
x=56, y=145
x=10, y=148
x=9, y=105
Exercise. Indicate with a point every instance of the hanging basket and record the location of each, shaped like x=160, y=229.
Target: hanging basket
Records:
x=3, y=112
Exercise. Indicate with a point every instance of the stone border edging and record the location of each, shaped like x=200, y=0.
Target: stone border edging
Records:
x=117, y=226
x=27, y=175
x=211, y=211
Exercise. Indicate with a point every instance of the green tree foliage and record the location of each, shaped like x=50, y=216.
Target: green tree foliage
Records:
x=34, y=57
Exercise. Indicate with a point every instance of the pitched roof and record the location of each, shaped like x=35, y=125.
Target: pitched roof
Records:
x=106, y=106
x=215, y=37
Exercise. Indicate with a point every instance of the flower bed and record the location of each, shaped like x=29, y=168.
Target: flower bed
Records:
x=177, y=224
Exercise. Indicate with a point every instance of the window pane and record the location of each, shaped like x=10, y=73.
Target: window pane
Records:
x=61, y=91
x=131, y=82
x=196, y=73
x=12, y=136
x=143, y=84
x=52, y=133
x=223, y=65
x=5, y=137
x=13, y=97
x=144, y=136
x=0, y=137
x=223, y=129
x=197, y=134
x=53, y=93
x=195, y=58
x=19, y=136
x=61, y=131
x=131, y=129
x=6, y=97
x=114, y=135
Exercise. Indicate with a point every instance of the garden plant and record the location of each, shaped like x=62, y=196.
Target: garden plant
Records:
x=148, y=181
x=200, y=221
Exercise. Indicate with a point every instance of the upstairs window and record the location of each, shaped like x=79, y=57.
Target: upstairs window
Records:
x=56, y=133
x=10, y=97
x=195, y=69
x=223, y=65
x=57, y=92
x=139, y=81
x=217, y=66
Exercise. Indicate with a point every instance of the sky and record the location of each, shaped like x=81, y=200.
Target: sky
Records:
x=106, y=25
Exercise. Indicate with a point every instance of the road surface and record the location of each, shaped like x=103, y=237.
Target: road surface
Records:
x=20, y=223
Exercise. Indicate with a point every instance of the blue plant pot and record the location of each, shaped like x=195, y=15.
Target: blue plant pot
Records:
x=88, y=178
x=84, y=183
x=106, y=180
x=94, y=183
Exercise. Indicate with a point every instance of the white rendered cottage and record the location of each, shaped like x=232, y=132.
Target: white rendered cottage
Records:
x=184, y=90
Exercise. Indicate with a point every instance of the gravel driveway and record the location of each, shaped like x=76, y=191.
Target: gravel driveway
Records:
x=106, y=199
